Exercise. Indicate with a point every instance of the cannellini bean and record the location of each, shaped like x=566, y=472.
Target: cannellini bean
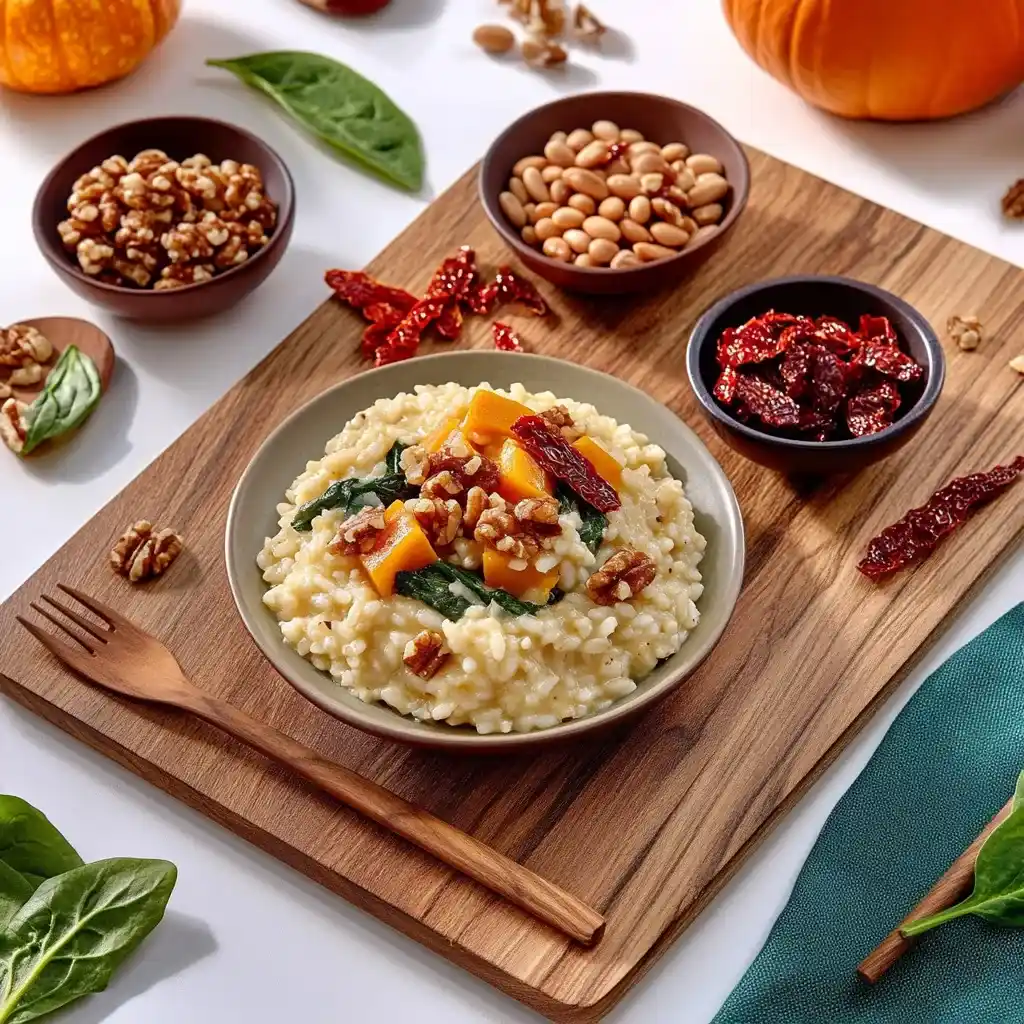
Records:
x=674, y=151
x=518, y=189
x=536, y=185
x=686, y=179
x=558, y=137
x=530, y=209
x=624, y=258
x=594, y=154
x=613, y=208
x=702, y=233
x=649, y=183
x=558, y=152
x=528, y=161
x=602, y=227
x=669, y=234
x=640, y=209
x=577, y=139
x=648, y=252
x=544, y=210
x=546, y=228
x=566, y=217
x=689, y=225
x=625, y=186
x=606, y=130
x=551, y=173
x=709, y=189
x=703, y=163
x=639, y=148
x=512, y=208
x=630, y=135
x=667, y=211
x=560, y=192
x=710, y=214
x=602, y=251
x=616, y=166
x=529, y=235
x=634, y=232
x=579, y=241
x=557, y=249
x=583, y=260
x=583, y=180
x=585, y=204
x=647, y=163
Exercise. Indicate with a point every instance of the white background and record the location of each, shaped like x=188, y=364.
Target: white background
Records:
x=247, y=938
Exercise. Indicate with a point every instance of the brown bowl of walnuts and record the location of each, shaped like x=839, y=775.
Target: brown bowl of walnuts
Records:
x=166, y=219
x=614, y=192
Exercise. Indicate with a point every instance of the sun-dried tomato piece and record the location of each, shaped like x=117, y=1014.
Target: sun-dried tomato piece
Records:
x=384, y=318
x=828, y=381
x=772, y=406
x=873, y=409
x=919, y=532
x=761, y=338
x=506, y=339
x=507, y=287
x=889, y=361
x=796, y=369
x=553, y=453
x=449, y=323
x=725, y=386
x=404, y=340
x=816, y=426
x=877, y=329
x=456, y=276
x=360, y=290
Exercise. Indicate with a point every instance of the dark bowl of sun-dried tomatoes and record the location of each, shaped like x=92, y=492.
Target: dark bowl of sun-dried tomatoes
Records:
x=815, y=374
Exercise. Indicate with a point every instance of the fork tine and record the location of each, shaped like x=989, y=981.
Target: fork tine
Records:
x=90, y=627
x=62, y=626
x=59, y=650
x=107, y=614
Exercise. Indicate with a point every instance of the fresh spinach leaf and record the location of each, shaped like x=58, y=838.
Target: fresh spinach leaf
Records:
x=998, y=895
x=30, y=844
x=431, y=585
x=15, y=890
x=71, y=393
x=393, y=460
x=74, y=932
x=593, y=521
x=339, y=106
x=345, y=494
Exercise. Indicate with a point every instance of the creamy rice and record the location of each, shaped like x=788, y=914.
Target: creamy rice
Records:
x=507, y=673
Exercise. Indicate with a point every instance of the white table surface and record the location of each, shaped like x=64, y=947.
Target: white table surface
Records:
x=247, y=938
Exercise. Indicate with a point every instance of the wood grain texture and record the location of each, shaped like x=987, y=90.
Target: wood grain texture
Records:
x=644, y=825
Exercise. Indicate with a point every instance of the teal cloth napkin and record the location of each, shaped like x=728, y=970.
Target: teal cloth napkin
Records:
x=948, y=763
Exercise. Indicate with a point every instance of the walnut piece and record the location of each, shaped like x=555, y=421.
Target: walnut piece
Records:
x=540, y=53
x=559, y=418
x=413, y=462
x=456, y=468
x=5, y=391
x=358, y=534
x=965, y=331
x=521, y=532
x=425, y=654
x=13, y=428
x=477, y=500
x=622, y=577
x=538, y=515
x=21, y=345
x=586, y=26
x=1013, y=201
x=143, y=552
x=439, y=517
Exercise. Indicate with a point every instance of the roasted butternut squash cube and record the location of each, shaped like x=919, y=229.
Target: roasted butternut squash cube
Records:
x=490, y=417
x=434, y=441
x=520, y=476
x=402, y=546
x=499, y=573
x=607, y=466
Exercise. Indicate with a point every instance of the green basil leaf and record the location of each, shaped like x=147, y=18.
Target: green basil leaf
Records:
x=339, y=106
x=30, y=844
x=74, y=932
x=15, y=890
x=71, y=393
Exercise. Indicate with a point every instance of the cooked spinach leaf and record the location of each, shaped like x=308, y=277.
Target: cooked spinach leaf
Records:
x=502, y=598
x=340, y=107
x=346, y=493
x=393, y=460
x=71, y=393
x=998, y=895
x=431, y=585
x=594, y=522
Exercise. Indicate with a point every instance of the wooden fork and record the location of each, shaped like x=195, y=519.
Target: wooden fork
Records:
x=122, y=658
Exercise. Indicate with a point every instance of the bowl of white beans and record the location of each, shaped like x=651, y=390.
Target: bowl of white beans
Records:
x=614, y=192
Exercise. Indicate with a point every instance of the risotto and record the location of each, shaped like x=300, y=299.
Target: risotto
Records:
x=435, y=560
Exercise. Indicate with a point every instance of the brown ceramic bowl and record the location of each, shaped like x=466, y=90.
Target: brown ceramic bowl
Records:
x=814, y=296
x=179, y=137
x=661, y=120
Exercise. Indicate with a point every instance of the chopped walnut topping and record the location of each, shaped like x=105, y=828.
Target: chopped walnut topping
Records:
x=26, y=376
x=413, y=462
x=1017, y=363
x=425, y=654
x=586, y=26
x=442, y=485
x=538, y=515
x=143, y=552
x=559, y=418
x=965, y=331
x=439, y=517
x=13, y=428
x=358, y=534
x=455, y=468
x=1013, y=201
x=622, y=577
x=540, y=53
x=521, y=531
x=21, y=345
x=476, y=501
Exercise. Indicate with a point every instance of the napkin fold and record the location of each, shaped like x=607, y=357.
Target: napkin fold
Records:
x=947, y=764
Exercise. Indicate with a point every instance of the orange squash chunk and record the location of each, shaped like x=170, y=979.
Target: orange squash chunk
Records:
x=520, y=476
x=401, y=546
x=499, y=574
x=490, y=418
x=434, y=441
x=608, y=467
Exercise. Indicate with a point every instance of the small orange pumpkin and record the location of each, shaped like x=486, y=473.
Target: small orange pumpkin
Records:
x=894, y=60
x=59, y=46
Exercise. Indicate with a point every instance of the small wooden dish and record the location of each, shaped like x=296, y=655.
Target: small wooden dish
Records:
x=63, y=332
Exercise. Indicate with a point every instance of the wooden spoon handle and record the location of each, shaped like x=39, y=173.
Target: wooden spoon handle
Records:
x=952, y=887
x=519, y=885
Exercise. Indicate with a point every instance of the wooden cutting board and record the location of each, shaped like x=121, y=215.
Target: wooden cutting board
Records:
x=645, y=825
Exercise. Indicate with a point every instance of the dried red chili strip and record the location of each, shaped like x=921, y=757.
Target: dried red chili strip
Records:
x=873, y=409
x=889, y=361
x=506, y=339
x=920, y=531
x=360, y=290
x=564, y=462
x=774, y=408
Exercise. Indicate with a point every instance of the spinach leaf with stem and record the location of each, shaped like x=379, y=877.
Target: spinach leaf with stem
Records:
x=74, y=932
x=30, y=844
x=71, y=393
x=998, y=895
x=340, y=107
x=594, y=522
x=15, y=890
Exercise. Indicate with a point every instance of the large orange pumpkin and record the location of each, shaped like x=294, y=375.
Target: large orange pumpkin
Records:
x=57, y=46
x=889, y=59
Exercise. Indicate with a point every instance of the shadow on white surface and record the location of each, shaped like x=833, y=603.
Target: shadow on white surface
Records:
x=178, y=942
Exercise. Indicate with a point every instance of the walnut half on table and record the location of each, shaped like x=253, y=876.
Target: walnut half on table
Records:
x=143, y=552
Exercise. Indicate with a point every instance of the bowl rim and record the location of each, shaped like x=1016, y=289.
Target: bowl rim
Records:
x=56, y=256
x=464, y=739
x=741, y=188
x=700, y=336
